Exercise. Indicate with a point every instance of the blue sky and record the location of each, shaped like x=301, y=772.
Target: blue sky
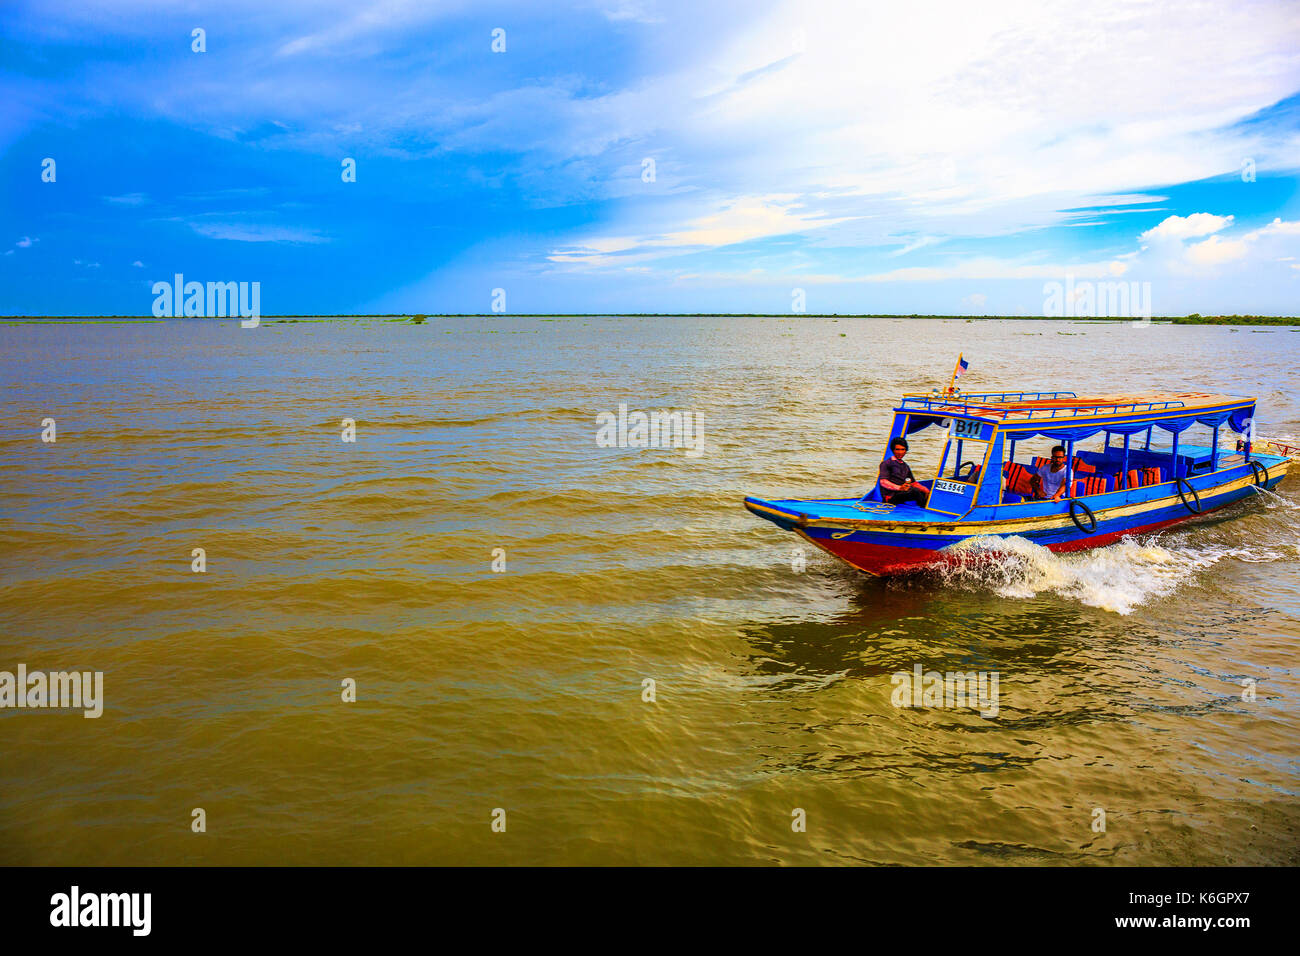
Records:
x=629, y=156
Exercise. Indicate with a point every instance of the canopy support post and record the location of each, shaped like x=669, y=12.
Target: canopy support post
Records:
x=899, y=430
x=1069, y=469
x=1175, y=457
x=1149, y=431
x=1214, y=450
x=1123, y=465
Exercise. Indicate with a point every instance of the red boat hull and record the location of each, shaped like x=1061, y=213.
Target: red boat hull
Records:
x=878, y=559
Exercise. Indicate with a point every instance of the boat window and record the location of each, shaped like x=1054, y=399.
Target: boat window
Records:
x=963, y=460
x=925, y=448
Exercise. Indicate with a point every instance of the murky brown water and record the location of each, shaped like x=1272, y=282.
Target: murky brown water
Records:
x=1120, y=670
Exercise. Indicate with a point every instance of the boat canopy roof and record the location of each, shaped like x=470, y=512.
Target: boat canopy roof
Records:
x=1066, y=415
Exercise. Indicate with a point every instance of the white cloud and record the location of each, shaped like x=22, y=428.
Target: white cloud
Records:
x=1165, y=248
x=748, y=218
x=629, y=10
x=953, y=109
x=915, y=244
x=990, y=268
x=1173, y=255
x=364, y=24
x=742, y=220
x=886, y=125
x=253, y=232
x=1217, y=250
x=1277, y=228
x=975, y=268
x=1186, y=227
x=950, y=119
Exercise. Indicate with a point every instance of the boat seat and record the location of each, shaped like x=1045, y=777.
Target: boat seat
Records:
x=1018, y=480
x=1141, y=477
x=1092, y=485
x=1079, y=466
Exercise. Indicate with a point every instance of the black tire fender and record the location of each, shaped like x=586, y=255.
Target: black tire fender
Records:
x=1184, y=486
x=1260, y=472
x=1075, y=507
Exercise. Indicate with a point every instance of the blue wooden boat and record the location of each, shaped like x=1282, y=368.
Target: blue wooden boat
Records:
x=1127, y=486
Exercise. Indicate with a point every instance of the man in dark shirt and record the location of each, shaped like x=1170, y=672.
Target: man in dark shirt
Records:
x=896, y=482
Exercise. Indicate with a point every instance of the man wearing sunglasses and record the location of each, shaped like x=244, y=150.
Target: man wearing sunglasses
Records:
x=1048, y=483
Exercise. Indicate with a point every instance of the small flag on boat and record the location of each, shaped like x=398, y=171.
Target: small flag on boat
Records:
x=957, y=369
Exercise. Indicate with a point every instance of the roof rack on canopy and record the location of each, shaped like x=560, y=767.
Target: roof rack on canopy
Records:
x=1065, y=415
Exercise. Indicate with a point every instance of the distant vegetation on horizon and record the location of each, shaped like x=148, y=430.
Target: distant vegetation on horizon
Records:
x=420, y=318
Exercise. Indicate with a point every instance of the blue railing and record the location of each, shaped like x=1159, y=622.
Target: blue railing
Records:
x=977, y=405
x=982, y=398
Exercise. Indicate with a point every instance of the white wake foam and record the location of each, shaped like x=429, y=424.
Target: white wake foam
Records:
x=1120, y=577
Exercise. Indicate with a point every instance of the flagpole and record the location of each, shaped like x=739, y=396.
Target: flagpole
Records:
x=952, y=381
